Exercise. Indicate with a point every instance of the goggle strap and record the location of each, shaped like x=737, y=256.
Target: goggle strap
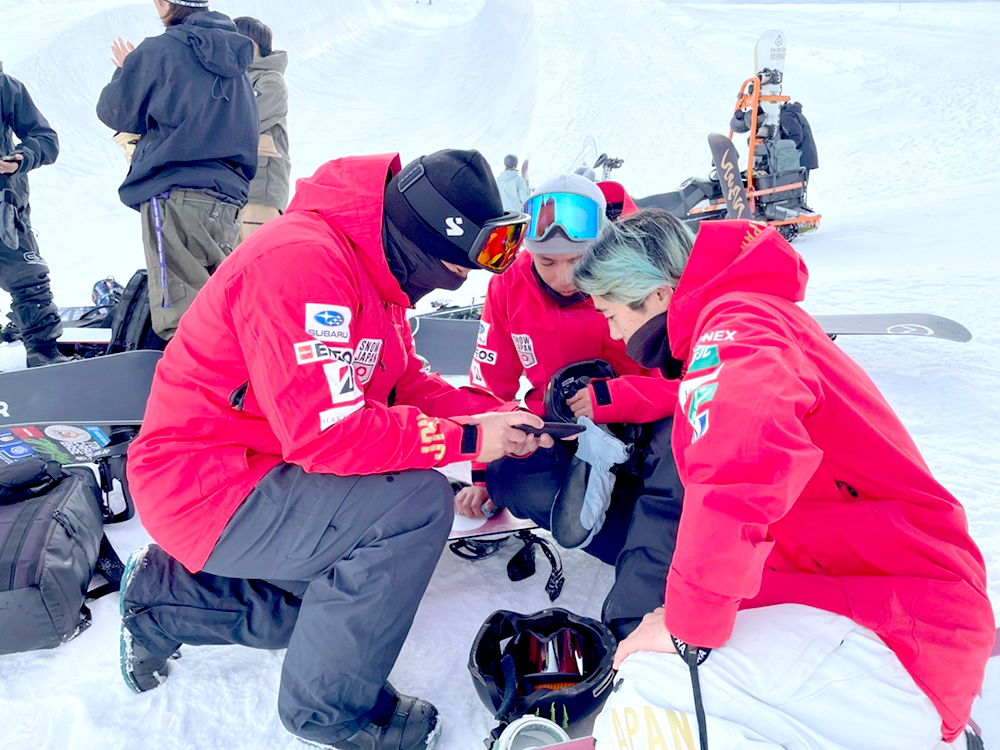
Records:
x=509, y=688
x=435, y=210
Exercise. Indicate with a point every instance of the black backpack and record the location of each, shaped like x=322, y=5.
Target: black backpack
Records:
x=51, y=543
x=132, y=324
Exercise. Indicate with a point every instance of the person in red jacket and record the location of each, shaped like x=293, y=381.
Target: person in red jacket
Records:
x=535, y=322
x=283, y=464
x=833, y=576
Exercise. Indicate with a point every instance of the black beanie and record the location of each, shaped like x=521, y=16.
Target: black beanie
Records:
x=465, y=181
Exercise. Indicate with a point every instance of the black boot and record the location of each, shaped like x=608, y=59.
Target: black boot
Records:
x=406, y=724
x=141, y=669
x=44, y=353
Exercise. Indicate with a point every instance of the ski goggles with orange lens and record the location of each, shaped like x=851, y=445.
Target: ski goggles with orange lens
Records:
x=499, y=241
x=492, y=246
x=578, y=216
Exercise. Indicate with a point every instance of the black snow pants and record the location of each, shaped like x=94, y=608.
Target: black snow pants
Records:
x=639, y=534
x=331, y=568
x=24, y=275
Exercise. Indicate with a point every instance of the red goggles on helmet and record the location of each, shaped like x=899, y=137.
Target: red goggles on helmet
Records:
x=492, y=246
x=549, y=662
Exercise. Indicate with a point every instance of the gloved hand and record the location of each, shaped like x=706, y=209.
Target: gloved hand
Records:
x=576, y=519
x=602, y=451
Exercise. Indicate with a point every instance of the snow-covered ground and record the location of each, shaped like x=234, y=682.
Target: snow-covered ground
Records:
x=902, y=97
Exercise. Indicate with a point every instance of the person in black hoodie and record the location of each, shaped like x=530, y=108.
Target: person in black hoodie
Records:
x=23, y=272
x=186, y=94
x=794, y=125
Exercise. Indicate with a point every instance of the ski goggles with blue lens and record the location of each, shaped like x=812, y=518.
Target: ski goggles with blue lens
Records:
x=578, y=216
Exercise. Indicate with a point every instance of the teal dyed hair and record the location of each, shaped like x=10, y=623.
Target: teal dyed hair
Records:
x=634, y=257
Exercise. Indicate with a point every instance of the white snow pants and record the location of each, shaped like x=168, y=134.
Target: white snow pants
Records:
x=790, y=677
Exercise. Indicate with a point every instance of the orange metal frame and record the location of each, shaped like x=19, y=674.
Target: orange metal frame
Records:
x=746, y=100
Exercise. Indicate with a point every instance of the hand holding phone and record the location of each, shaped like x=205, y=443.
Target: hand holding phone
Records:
x=558, y=430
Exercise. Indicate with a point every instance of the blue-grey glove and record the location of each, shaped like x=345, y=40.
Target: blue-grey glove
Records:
x=602, y=451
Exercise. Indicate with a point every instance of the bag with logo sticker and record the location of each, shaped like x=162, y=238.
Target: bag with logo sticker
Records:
x=132, y=325
x=51, y=543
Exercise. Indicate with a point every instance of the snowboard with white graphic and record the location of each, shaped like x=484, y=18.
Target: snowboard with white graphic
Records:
x=769, y=66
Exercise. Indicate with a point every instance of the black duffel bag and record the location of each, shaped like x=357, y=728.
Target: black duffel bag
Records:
x=51, y=543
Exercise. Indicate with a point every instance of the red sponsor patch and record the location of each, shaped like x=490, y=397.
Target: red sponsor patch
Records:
x=26, y=432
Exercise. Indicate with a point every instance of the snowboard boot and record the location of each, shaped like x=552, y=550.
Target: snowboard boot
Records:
x=40, y=353
x=407, y=723
x=10, y=333
x=564, y=521
x=140, y=669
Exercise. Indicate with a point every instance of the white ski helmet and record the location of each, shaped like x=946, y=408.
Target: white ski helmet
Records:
x=561, y=223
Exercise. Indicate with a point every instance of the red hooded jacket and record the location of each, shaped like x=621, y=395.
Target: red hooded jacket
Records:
x=802, y=485
x=297, y=350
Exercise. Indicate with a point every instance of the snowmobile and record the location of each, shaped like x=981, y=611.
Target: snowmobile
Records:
x=775, y=178
x=775, y=186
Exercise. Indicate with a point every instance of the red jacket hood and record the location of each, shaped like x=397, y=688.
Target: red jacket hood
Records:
x=614, y=192
x=732, y=256
x=349, y=194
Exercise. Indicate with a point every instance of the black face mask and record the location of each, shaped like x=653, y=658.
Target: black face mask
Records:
x=417, y=272
x=559, y=299
x=650, y=347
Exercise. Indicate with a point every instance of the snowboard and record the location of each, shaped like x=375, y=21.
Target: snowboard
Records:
x=99, y=392
x=66, y=444
x=727, y=166
x=84, y=335
x=894, y=324
x=448, y=343
x=504, y=522
x=769, y=66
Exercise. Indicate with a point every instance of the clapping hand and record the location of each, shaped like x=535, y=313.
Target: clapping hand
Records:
x=120, y=49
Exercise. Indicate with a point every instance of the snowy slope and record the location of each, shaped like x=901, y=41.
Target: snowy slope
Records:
x=901, y=98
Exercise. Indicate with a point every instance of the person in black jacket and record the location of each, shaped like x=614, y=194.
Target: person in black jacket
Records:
x=23, y=273
x=187, y=96
x=795, y=126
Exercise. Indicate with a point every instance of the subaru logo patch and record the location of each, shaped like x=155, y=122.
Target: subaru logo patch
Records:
x=328, y=323
x=329, y=318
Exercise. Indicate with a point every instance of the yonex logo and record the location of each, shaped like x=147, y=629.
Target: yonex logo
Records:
x=329, y=318
x=454, y=226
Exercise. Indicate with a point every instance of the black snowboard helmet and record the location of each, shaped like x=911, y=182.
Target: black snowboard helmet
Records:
x=552, y=663
x=565, y=383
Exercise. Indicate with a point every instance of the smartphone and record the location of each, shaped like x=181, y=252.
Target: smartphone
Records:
x=558, y=430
